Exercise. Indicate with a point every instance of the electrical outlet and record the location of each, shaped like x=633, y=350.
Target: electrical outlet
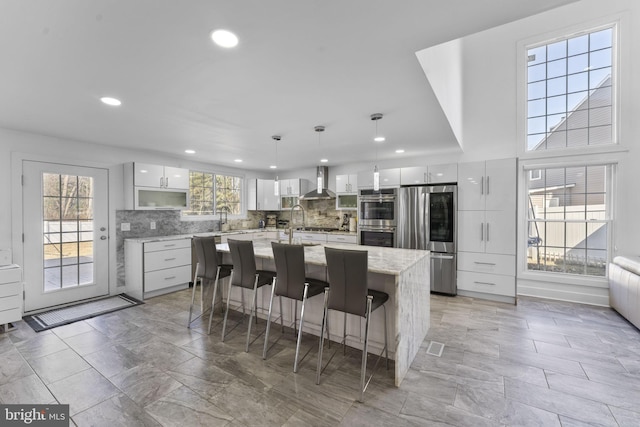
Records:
x=125, y=226
x=152, y=225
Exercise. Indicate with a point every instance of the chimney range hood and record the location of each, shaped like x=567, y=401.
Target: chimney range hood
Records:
x=322, y=176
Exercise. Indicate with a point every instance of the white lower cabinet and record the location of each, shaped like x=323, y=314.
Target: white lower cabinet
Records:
x=487, y=283
x=156, y=268
x=10, y=294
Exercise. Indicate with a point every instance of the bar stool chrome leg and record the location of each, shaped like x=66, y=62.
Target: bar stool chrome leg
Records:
x=304, y=300
x=226, y=313
x=266, y=334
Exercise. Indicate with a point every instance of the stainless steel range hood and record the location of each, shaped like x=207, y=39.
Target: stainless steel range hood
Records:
x=322, y=177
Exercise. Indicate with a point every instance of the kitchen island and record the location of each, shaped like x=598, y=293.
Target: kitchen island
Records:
x=402, y=273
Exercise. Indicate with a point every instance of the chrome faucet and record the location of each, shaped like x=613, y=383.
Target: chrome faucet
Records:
x=291, y=221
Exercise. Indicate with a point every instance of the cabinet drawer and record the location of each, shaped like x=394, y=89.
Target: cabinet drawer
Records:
x=310, y=237
x=487, y=263
x=11, y=315
x=9, y=289
x=487, y=283
x=340, y=238
x=10, y=302
x=161, y=279
x=8, y=275
x=167, y=259
x=167, y=244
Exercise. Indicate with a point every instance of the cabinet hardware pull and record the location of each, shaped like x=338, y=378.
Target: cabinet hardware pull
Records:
x=166, y=182
x=487, y=185
x=482, y=231
x=485, y=283
x=482, y=185
x=170, y=278
x=161, y=182
x=487, y=228
x=484, y=263
x=169, y=259
x=168, y=246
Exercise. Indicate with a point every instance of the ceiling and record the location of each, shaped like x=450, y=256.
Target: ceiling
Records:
x=298, y=64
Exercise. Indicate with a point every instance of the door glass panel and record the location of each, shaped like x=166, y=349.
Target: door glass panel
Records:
x=441, y=217
x=67, y=231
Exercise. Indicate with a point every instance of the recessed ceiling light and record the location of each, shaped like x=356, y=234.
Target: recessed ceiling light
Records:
x=190, y=151
x=273, y=167
x=399, y=151
x=238, y=160
x=224, y=38
x=114, y=102
x=379, y=139
x=324, y=160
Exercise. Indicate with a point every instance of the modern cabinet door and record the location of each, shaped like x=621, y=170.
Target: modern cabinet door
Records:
x=389, y=177
x=489, y=185
x=266, y=200
x=347, y=183
x=414, y=175
x=176, y=178
x=500, y=232
x=500, y=184
x=487, y=231
x=439, y=174
x=471, y=186
x=146, y=175
x=471, y=231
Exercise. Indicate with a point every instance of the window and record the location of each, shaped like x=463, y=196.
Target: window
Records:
x=570, y=92
x=568, y=220
x=227, y=193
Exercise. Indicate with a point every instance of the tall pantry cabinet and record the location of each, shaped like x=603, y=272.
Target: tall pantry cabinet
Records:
x=487, y=229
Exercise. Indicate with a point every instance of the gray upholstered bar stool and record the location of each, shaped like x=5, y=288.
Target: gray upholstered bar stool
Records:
x=348, y=292
x=291, y=283
x=245, y=275
x=208, y=271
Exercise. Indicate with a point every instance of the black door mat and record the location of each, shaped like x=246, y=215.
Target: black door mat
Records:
x=74, y=313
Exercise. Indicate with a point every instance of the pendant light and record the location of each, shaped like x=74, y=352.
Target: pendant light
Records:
x=319, y=176
x=376, y=174
x=276, y=183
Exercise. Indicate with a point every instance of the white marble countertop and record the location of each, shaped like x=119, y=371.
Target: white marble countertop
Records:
x=222, y=233
x=392, y=261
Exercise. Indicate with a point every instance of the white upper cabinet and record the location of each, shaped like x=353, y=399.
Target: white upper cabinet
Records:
x=347, y=184
x=433, y=174
x=489, y=185
x=290, y=187
x=388, y=178
x=438, y=174
x=414, y=175
x=146, y=175
x=266, y=200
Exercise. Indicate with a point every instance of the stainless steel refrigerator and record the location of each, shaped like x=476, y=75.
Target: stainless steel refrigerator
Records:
x=428, y=220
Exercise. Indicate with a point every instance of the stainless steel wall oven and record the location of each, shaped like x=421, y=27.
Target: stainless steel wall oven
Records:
x=378, y=217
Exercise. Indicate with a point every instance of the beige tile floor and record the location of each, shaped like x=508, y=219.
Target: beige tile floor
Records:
x=540, y=363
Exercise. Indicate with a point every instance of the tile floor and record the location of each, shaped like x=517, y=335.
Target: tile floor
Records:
x=540, y=363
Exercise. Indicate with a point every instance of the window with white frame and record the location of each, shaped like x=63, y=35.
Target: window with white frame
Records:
x=211, y=193
x=568, y=220
x=571, y=90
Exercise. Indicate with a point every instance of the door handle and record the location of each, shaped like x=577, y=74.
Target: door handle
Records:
x=482, y=231
x=487, y=228
x=482, y=185
x=103, y=237
x=487, y=185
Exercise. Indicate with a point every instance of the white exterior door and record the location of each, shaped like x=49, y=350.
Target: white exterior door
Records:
x=65, y=233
